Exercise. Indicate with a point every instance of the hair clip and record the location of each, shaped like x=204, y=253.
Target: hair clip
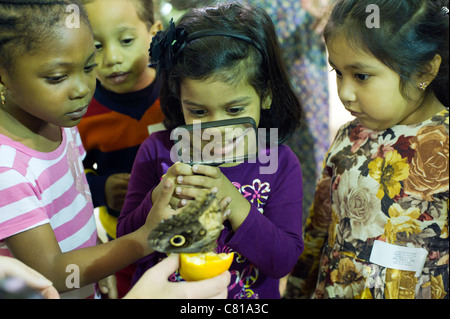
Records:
x=445, y=9
x=166, y=46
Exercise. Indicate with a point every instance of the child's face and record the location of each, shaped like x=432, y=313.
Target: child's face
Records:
x=122, y=40
x=210, y=100
x=370, y=90
x=56, y=84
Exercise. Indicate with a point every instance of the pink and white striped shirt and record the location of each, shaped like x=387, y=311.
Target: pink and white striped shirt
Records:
x=38, y=188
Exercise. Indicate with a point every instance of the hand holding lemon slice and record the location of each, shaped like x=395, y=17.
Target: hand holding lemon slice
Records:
x=199, y=266
x=193, y=233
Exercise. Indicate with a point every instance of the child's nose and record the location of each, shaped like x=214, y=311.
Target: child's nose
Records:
x=80, y=89
x=112, y=56
x=346, y=92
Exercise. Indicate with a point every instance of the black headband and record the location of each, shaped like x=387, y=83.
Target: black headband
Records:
x=167, y=45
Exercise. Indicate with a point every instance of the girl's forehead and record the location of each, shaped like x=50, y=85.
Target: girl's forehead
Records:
x=216, y=94
x=342, y=49
x=206, y=86
x=62, y=45
x=64, y=34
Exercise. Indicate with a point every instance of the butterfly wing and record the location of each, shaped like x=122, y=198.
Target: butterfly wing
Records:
x=195, y=229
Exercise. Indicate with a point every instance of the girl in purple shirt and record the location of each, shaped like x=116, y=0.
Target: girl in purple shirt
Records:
x=221, y=63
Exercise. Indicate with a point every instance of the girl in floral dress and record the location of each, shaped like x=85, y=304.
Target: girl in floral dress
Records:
x=223, y=63
x=379, y=222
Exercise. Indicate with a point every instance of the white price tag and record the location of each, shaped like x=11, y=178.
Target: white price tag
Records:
x=398, y=257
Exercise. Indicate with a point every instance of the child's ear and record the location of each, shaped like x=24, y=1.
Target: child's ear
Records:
x=157, y=26
x=430, y=70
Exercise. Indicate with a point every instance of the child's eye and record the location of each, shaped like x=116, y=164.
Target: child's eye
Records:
x=197, y=113
x=90, y=68
x=127, y=41
x=55, y=79
x=98, y=45
x=338, y=73
x=362, y=77
x=235, y=110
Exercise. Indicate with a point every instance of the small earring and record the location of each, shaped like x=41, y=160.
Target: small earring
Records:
x=3, y=98
x=423, y=86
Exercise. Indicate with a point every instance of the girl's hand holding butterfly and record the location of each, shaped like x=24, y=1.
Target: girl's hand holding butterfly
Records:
x=177, y=169
x=211, y=177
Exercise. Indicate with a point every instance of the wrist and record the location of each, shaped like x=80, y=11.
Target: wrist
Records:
x=141, y=237
x=239, y=212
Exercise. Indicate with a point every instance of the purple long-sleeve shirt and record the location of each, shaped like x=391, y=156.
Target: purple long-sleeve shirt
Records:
x=269, y=241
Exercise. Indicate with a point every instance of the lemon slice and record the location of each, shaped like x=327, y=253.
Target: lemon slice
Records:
x=201, y=266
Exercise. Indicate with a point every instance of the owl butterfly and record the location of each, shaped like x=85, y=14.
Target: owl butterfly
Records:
x=194, y=230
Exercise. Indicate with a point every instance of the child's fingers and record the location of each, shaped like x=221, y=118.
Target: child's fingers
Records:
x=198, y=181
x=189, y=192
x=164, y=196
x=224, y=207
x=167, y=266
x=211, y=171
x=10, y=267
x=210, y=288
x=180, y=169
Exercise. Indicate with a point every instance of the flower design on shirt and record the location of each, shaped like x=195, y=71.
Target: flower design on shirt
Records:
x=402, y=221
x=347, y=278
x=388, y=172
x=381, y=147
x=429, y=172
x=360, y=135
x=257, y=193
x=355, y=199
x=244, y=279
x=437, y=287
x=390, y=186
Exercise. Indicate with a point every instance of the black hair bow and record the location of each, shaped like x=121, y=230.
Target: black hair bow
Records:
x=166, y=46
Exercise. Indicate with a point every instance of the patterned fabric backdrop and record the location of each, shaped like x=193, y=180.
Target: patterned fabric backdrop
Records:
x=304, y=52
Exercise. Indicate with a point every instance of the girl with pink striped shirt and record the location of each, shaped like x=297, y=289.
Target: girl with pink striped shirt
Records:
x=47, y=79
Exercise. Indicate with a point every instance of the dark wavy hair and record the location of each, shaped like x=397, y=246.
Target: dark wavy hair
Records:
x=25, y=25
x=232, y=60
x=410, y=34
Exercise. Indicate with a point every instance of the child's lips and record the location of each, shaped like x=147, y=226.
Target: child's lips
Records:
x=355, y=114
x=118, y=77
x=78, y=113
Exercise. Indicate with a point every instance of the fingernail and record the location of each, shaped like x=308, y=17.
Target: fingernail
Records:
x=180, y=179
x=227, y=213
x=168, y=184
x=183, y=202
x=214, y=190
x=195, y=168
x=178, y=190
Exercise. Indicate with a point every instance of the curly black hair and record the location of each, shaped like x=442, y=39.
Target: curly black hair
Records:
x=25, y=25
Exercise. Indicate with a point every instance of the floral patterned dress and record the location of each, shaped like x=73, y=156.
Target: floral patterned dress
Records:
x=391, y=186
